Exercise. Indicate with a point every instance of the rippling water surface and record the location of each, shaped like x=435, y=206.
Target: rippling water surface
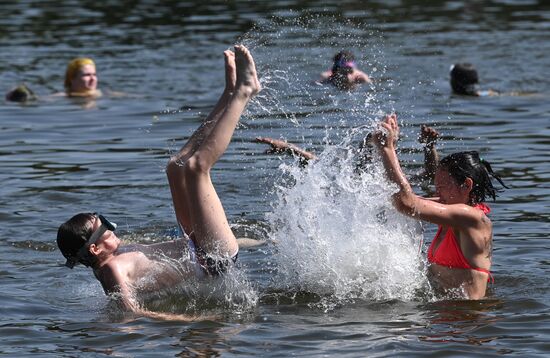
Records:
x=337, y=276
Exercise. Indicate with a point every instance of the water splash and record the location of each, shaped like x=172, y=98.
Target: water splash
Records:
x=288, y=69
x=337, y=234
x=194, y=293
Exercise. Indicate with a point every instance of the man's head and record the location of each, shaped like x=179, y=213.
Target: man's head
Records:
x=20, y=93
x=79, y=237
x=464, y=79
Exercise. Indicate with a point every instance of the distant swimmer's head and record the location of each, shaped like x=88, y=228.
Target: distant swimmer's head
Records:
x=344, y=62
x=464, y=79
x=81, y=77
x=465, y=177
x=79, y=236
x=20, y=93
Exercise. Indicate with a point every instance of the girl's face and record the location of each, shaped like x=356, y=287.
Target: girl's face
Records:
x=85, y=80
x=448, y=190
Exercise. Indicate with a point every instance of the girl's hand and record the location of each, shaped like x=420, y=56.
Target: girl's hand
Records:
x=386, y=136
x=428, y=136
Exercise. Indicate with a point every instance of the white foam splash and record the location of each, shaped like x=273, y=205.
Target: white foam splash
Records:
x=338, y=235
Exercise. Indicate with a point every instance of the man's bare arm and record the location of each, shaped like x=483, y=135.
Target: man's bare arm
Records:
x=281, y=146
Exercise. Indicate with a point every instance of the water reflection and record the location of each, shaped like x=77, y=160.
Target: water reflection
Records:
x=461, y=321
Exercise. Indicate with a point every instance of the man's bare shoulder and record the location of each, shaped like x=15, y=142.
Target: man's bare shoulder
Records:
x=122, y=269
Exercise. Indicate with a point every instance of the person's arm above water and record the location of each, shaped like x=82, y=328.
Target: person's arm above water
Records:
x=361, y=77
x=324, y=77
x=281, y=146
x=405, y=200
x=428, y=136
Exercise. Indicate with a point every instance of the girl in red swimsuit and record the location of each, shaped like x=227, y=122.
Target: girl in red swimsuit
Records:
x=460, y=254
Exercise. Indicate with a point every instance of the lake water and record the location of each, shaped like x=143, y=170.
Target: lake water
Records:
x=335, y=278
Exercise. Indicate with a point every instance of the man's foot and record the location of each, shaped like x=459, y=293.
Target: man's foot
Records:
x=247, y=79
x=230, y=71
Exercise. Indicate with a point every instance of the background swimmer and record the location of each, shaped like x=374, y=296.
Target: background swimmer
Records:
x=124, y=271
x=21, y=93
x=81, y=81
x=460, y=255
x=81, y=78
x=465, y=81
x=344, y=73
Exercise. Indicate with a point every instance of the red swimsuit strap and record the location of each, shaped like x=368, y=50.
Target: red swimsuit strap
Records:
x=483, y=207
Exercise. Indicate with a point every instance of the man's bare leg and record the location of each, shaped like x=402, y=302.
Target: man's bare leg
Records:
x=206, y=216
x=176, y=163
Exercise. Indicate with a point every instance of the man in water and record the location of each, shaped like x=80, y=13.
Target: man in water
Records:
x=465, y=81
x=209, y=243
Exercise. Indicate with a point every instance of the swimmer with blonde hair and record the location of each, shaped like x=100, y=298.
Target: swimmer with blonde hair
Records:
x=80, y=81
x=81, y=78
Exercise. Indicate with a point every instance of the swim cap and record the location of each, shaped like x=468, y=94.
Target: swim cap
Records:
x=73, y=67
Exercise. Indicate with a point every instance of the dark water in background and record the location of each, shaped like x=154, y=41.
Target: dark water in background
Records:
x=58, y=159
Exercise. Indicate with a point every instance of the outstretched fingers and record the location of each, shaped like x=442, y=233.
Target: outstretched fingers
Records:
x=391, y=119
x=388, y=132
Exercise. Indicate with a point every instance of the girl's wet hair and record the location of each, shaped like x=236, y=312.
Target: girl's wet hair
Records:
x=464, y=165
x=72, y=236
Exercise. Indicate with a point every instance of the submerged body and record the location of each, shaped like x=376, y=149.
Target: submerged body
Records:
x=346, y=79
x=134, y=268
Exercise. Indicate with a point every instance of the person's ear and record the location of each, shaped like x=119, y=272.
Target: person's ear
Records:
x=468, y=184
x=94, y=249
